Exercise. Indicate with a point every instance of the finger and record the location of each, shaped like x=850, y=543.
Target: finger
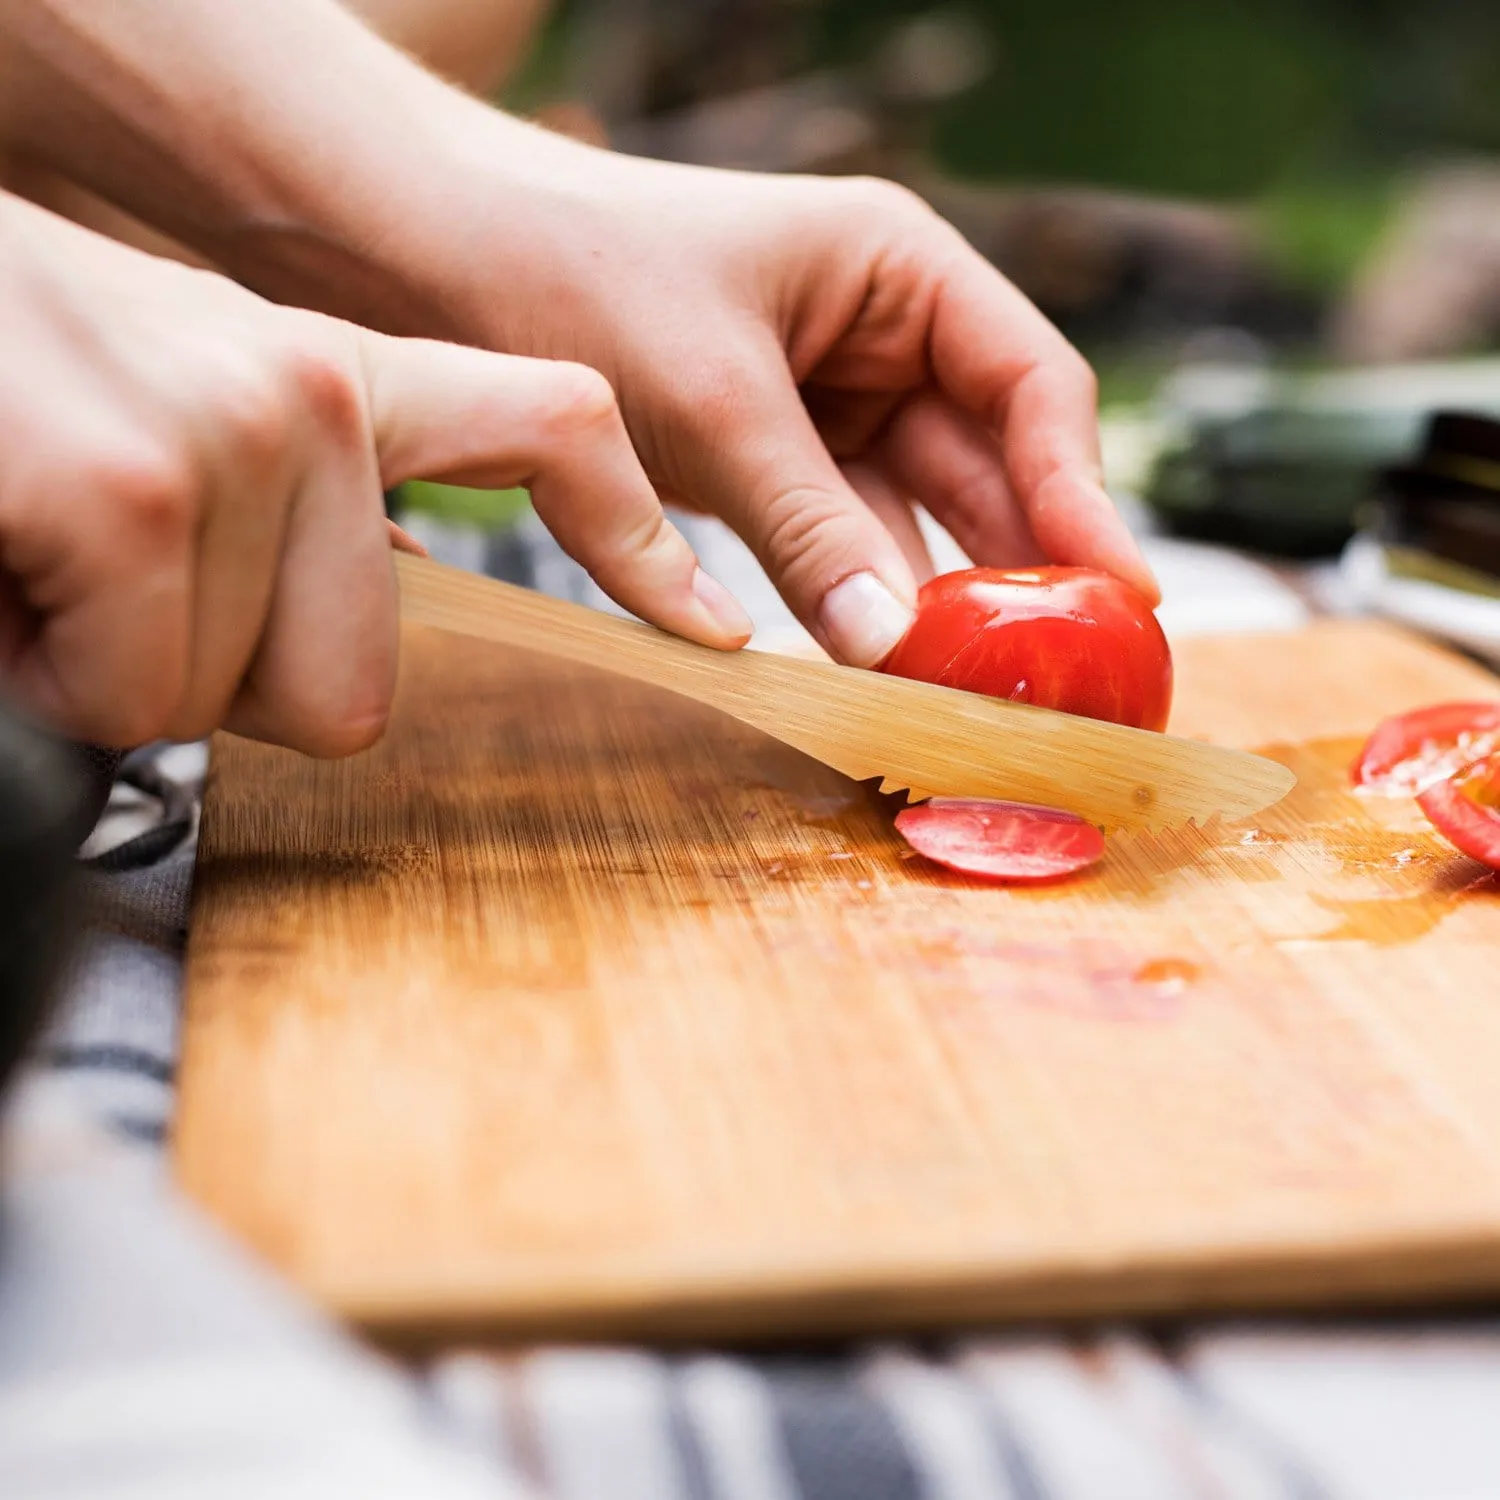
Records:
x=446, y=412
x=952, y=465
x=892, y=509
x=99, y=591
x=324, y=674
x=765, y=470
x=403, y=541
x=259, y=442
x=996, y=355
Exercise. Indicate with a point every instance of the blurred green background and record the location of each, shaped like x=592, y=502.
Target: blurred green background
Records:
x=1289, y=185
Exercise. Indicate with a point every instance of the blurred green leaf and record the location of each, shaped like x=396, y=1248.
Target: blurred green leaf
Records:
x=491, y=509
x=1317, y=233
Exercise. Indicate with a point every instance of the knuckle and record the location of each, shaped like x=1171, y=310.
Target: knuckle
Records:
x=884, y=199
x=254, y=406
x=348, y=735
x=578, y=399
x=649, y=535
x=1079, y=374
x=331, y=726
x=799, y=535
x=327, y=391
x=153, y=490
x=351, y=731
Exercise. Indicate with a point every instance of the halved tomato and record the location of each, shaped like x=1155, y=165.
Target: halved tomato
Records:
x=1465, y=809
x=1411, y=752
x=1066, y=638
x=1008, y=841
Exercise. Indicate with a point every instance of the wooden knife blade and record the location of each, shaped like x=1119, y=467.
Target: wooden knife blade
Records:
x=930, y=741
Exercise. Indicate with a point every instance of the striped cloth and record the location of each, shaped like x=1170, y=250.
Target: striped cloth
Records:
x=140, y=1354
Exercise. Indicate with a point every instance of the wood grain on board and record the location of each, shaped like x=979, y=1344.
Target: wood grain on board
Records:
x=574, y=1008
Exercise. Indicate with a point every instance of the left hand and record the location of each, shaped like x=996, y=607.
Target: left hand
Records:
x=805, y=358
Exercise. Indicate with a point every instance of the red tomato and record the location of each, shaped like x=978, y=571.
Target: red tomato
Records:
x=1064, y=638
x=1466, y=811
x=1007, y=841
x=1411, y=752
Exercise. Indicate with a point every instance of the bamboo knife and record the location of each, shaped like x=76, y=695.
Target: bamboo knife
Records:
x=926, y=740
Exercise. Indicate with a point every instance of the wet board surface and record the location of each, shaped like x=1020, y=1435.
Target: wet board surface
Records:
x=575, y=1009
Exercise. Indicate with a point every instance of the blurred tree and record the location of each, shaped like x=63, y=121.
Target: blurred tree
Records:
x=1169, y=96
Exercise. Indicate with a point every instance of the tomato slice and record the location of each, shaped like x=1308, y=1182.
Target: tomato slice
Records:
x=1412, y=752
x=1466, y=811
x=1007, y=841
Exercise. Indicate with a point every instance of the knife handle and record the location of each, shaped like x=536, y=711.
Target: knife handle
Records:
x=471, y=604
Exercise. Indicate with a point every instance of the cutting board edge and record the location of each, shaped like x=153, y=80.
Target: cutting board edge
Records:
x=1370, y=1275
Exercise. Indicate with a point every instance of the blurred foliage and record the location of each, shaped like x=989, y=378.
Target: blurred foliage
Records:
x=1208, y=98
x=1169, y=96
x=543, y=75
x=1317, y=231
x=451, y=502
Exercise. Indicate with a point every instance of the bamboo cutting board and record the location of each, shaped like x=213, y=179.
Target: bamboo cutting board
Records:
x=574, y=1009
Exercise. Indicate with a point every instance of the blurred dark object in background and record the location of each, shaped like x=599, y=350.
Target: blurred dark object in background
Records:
x=1439, y=515
x=1116, y=268
x=1276, y=480
x=51, y=793
x=1287, y=463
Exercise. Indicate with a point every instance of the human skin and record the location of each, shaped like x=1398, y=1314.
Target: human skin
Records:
x=192, y=531
x=802, y=357
x=476, y=44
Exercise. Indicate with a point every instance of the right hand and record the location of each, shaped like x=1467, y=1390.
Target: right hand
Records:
x=192, y=532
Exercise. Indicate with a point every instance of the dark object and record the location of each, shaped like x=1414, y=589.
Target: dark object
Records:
x=50, y=795
x=1445, y=504
x=1272, y=480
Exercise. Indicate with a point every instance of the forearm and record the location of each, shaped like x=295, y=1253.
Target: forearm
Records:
x=284, y=140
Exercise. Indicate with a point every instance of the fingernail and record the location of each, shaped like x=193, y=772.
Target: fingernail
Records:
x=724, y=611
x=403, y=541
x=1129, y=561
x=863, y=620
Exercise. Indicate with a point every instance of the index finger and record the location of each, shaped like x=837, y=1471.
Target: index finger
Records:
x=996, y=355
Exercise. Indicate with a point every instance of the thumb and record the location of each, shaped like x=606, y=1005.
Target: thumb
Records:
x=765, y=470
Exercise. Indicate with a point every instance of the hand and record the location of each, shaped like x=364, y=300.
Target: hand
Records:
x=801, y=357
x=805, y=358
x=192, y=531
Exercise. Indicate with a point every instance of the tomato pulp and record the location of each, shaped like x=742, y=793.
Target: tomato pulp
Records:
x=1465, y=809
x=1064, y=638
x=1008, y=841
x=1411, y=752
